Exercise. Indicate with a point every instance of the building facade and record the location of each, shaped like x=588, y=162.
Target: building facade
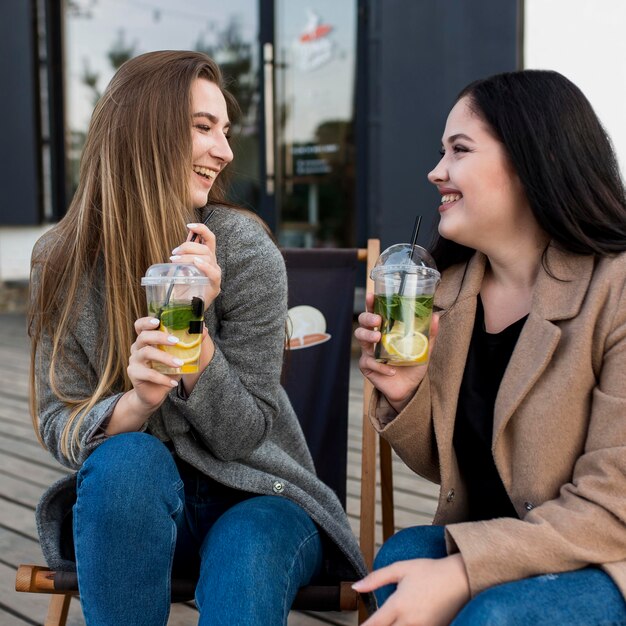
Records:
x=343, y=103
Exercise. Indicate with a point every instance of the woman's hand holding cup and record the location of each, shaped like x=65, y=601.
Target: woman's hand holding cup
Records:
x=150, y=386
x=397, y=384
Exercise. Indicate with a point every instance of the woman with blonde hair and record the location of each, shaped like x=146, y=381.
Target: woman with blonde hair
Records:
x=207, y=472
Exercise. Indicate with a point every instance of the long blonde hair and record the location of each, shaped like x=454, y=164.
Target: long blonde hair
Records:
x=128, y=212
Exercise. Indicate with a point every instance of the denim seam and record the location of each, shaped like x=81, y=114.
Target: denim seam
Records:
x=76, y=532
x=306, y=540
x=173, y=535
x=181, y=501
x=168, y=584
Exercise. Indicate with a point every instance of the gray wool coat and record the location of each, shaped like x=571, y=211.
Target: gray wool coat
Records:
x=237, y=425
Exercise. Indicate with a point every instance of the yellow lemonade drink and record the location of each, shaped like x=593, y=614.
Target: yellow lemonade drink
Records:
x=405, y=328
x=174, y=293
x=181, y=321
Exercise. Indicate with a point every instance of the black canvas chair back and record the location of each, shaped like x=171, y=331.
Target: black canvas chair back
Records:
x=316, y=374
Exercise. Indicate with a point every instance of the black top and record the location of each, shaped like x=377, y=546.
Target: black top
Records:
x=487, y=358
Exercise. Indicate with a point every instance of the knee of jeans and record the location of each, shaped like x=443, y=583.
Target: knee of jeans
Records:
x=134, y=463
x=411, y=543
x=387, y=554
x=262, y=524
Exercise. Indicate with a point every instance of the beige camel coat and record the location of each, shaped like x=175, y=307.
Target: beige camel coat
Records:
x=559, y=435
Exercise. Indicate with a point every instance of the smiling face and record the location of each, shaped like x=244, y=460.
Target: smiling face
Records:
x=210, y=148
x=483, y=203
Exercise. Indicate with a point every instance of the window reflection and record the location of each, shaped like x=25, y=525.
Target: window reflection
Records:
x=101, y=34
x=315, y=55
x=316, y=46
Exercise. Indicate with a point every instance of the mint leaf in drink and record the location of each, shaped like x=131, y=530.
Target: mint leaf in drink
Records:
x=177, y=316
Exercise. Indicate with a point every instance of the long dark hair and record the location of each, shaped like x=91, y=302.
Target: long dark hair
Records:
x=562, y=155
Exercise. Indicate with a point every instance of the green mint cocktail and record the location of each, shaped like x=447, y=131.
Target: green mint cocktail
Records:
x=405, y=328
x=405, y=279
x=175, y=296
x=182, y=320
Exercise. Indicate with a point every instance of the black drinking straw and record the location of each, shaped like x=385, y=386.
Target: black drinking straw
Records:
x=171, y=287
x=416, y=229
x=205, y=222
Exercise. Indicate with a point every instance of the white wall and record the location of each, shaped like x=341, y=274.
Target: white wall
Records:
x=584, y=40
x=16, y=246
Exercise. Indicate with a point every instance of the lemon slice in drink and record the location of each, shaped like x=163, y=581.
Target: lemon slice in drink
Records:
x=188, y=347
x=412, y=348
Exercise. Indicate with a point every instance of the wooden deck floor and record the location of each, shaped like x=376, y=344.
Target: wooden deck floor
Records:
x=26, y=470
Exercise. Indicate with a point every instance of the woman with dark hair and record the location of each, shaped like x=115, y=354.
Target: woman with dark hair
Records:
x=520, y=415
x=206, y=473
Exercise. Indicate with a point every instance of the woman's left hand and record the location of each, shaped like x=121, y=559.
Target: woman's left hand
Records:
x=202, y=254
x=430, y=592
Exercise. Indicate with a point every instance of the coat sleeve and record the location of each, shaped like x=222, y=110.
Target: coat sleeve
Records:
x=410, y=433
x=586, y=524
x=234, y=402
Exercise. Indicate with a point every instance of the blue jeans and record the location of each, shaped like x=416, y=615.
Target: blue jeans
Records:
x=138, y=516
x=586, y=597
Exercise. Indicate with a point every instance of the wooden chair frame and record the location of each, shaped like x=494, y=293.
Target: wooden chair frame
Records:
x=63, y=585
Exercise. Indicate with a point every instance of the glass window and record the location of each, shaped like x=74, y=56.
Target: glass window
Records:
x=315, y=53
x=101, y=34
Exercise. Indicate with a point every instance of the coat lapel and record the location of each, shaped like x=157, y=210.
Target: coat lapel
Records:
x=533, y=351
x=558, y=296
x=456, y=299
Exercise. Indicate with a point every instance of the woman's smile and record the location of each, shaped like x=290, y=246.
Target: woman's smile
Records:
x=448, y=199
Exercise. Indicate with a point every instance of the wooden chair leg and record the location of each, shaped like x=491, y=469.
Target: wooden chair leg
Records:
x=386, y=489
x=368, y=484
x=368, y=453
x=58, y=609
x=363, y=615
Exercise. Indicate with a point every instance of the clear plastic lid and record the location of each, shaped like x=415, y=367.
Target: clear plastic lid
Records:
x=177, y=273
x=402, y=258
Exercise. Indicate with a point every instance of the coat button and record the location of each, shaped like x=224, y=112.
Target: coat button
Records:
x=529, y=506
x=450, y=496
x=278, y=487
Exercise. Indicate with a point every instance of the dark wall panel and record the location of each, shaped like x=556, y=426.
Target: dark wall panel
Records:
x=19, y=179
x=421, y=53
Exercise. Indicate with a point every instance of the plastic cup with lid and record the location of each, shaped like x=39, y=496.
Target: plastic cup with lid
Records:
x=175, y=295
x=405, y=279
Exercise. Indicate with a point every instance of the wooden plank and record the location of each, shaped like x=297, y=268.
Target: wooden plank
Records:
x=15, y=413
x=27, y=451
x=182, y=614
x=18, y=518
x=8, y=619
x=16, y=549
x=18, y=431
x=20, y=491
x=30, y=472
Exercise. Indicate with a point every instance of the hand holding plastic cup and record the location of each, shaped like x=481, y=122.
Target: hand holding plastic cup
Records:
x=175, y=293
x=405, y=279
